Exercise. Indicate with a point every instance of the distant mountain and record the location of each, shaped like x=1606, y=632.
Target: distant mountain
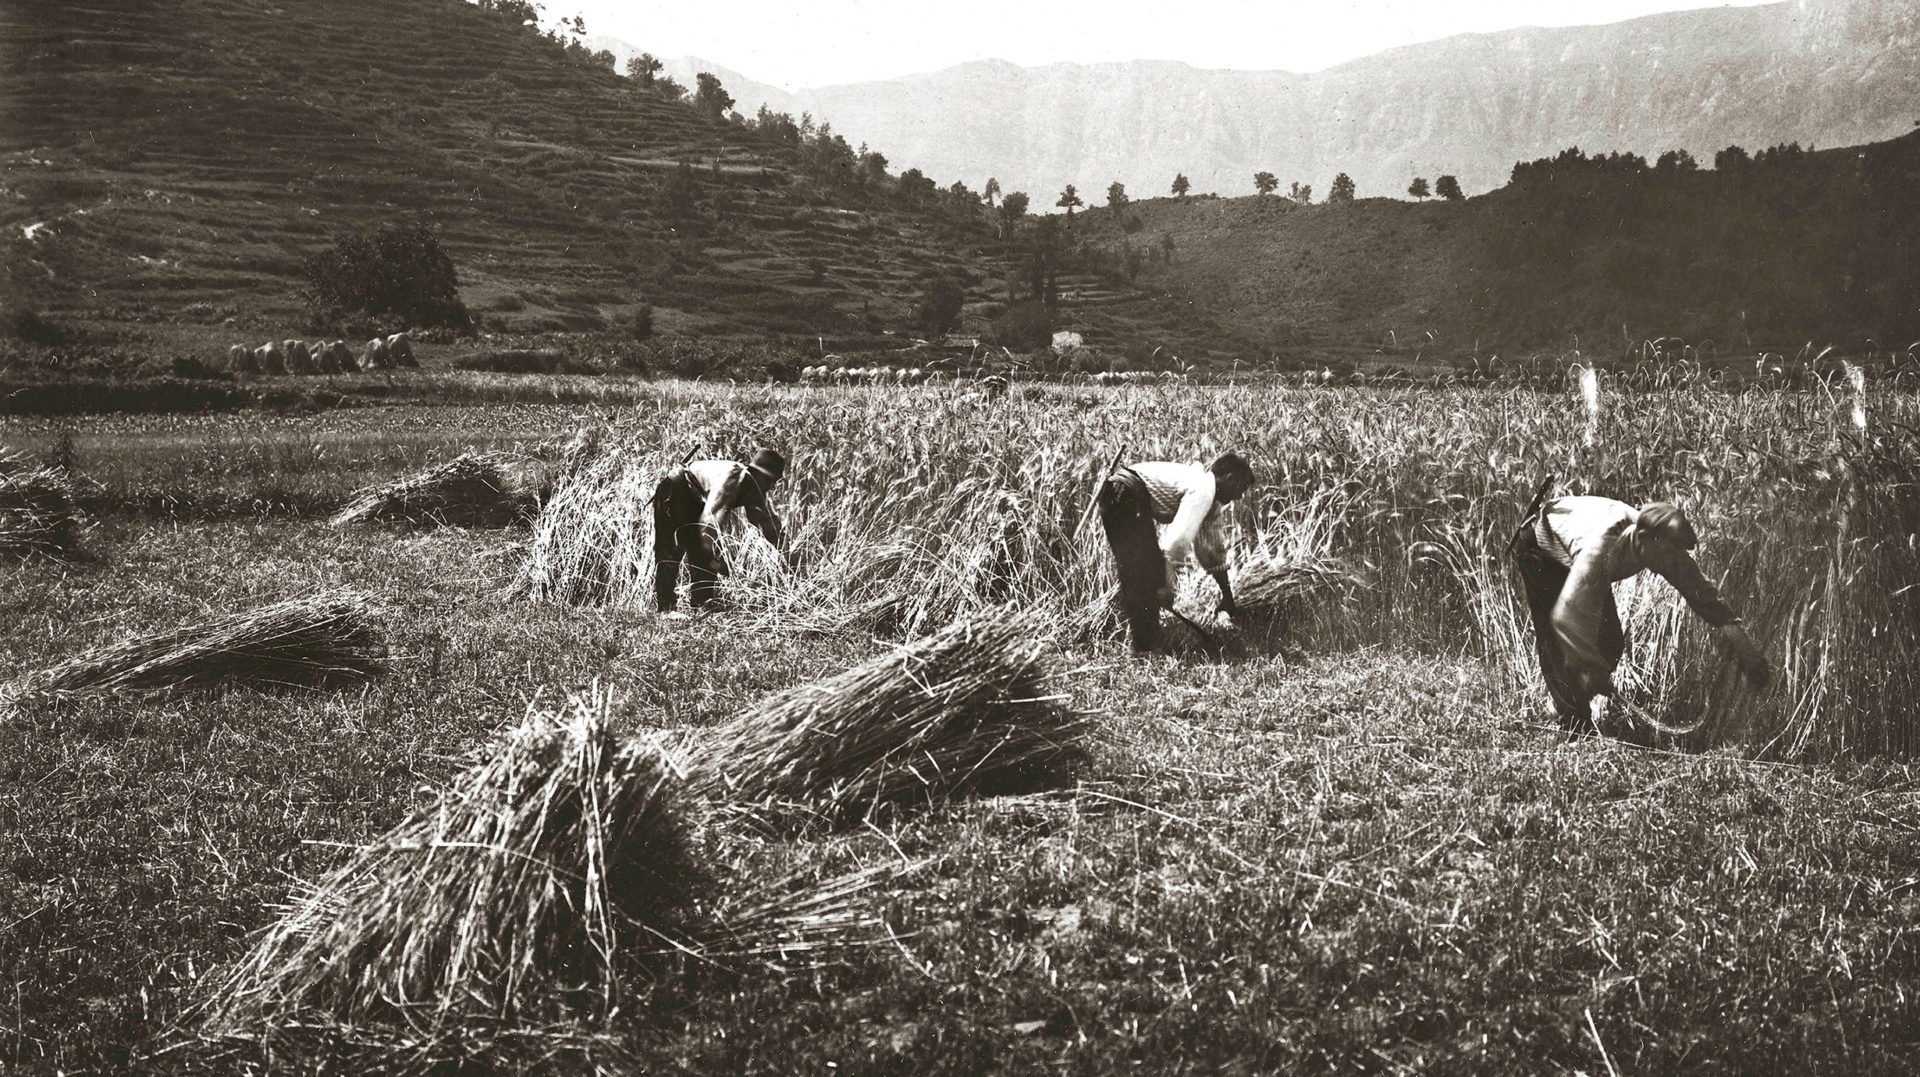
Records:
x=1820, y=72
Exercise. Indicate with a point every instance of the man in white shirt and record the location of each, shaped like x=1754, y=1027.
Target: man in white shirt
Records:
x=1570, y=553
x=1188, y=499
x=689, y=506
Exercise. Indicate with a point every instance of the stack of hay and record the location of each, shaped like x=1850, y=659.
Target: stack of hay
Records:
x=1275, y=593
x=305, y=642
x=591, y=538
x=485, y=929
x=490, y=925
x=514, y=894
x=37, y=513
x=492, y=489
x=967, y=710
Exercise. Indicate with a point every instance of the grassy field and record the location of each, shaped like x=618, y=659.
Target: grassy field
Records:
x=1360, y=846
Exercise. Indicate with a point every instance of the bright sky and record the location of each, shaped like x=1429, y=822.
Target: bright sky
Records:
x=826, y=42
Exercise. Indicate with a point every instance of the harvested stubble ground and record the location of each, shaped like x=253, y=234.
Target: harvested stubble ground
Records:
x=36, y=510
x=310, y=642
x=490, y=489
x=967, y=710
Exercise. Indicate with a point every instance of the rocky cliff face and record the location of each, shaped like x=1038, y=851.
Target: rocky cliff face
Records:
x=1819, y=72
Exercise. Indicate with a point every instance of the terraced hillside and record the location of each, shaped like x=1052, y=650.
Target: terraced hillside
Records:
x=167, y=166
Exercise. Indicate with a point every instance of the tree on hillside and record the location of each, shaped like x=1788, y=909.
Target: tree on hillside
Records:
x=1181, y=186
x=915, y=188
x=1676, y=161
x=939, y=308
x=643, y=68
x=1418, y=188
x=874, y=162
x=1116, y=195
x=669, y=88
x=1069, y=198
x=1342, y=189
x=1012, y=208
x=1300, y=192
x=399, y=273
x=1731, y=159
x=1044, y=250
x=1265, y=182
x=711, y=98
x=1448, y=187
x=991, y=191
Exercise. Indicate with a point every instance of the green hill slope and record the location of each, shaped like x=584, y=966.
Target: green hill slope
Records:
x=167, y=164
x=1786, y=248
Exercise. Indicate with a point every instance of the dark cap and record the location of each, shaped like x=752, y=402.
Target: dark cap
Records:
x=769, y=463
x=1665, y=520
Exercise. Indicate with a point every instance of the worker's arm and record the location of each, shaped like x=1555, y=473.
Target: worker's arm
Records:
x=760, y=515
x=1704, y=599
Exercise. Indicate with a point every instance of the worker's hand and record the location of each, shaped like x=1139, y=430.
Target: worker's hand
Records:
x=1753, y=662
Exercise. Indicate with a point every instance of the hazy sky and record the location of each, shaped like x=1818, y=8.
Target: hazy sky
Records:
x=800, y=44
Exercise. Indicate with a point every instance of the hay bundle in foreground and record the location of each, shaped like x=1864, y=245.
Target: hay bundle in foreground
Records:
x=304, y=642
x=507, y=901
x=966, y=710
x=509, y=924
x=36, y=510
x=494, y=489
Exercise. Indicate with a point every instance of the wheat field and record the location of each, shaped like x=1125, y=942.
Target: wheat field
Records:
x=907, y=512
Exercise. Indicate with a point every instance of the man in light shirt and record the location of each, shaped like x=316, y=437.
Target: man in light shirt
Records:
x=1187, y=498
x=1570, y=553
x=690, y=505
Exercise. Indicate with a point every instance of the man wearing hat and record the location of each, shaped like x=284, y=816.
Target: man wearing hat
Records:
x=1188, y=499
x=1570, y=552
x=689, y=507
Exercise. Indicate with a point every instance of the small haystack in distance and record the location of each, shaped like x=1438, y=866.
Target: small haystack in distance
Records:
x=508, y=902
x=314, y=642
x=966, y=710
x=490, y=489
x=36, y=510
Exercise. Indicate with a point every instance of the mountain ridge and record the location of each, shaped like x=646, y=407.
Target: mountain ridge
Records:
x=1819, y=72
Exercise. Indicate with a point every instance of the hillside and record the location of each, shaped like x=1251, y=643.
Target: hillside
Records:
x=1769, y=253
x=1819, y=72
x=165, y=166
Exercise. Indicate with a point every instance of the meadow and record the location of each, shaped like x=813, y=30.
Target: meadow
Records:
x=1357, y=842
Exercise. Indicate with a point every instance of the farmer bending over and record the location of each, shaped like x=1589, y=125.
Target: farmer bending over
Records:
x=1570, y=552
x=689, y=507
x=1185, y=497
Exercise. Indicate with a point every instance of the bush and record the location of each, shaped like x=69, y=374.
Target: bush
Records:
x=1025, y=326
x=29, y=327
x=400, y=273
x=939, y=309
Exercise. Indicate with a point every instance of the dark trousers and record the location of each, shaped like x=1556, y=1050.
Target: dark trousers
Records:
x=1545, y=578
x=678, y=535
x=1126, y=511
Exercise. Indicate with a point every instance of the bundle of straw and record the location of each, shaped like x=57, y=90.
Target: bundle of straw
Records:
x=966, y=710
x=303, y=642
x=1272, y=588
x=512, y=895
x=494, y=489
x=509, y=923
x=36, y=510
